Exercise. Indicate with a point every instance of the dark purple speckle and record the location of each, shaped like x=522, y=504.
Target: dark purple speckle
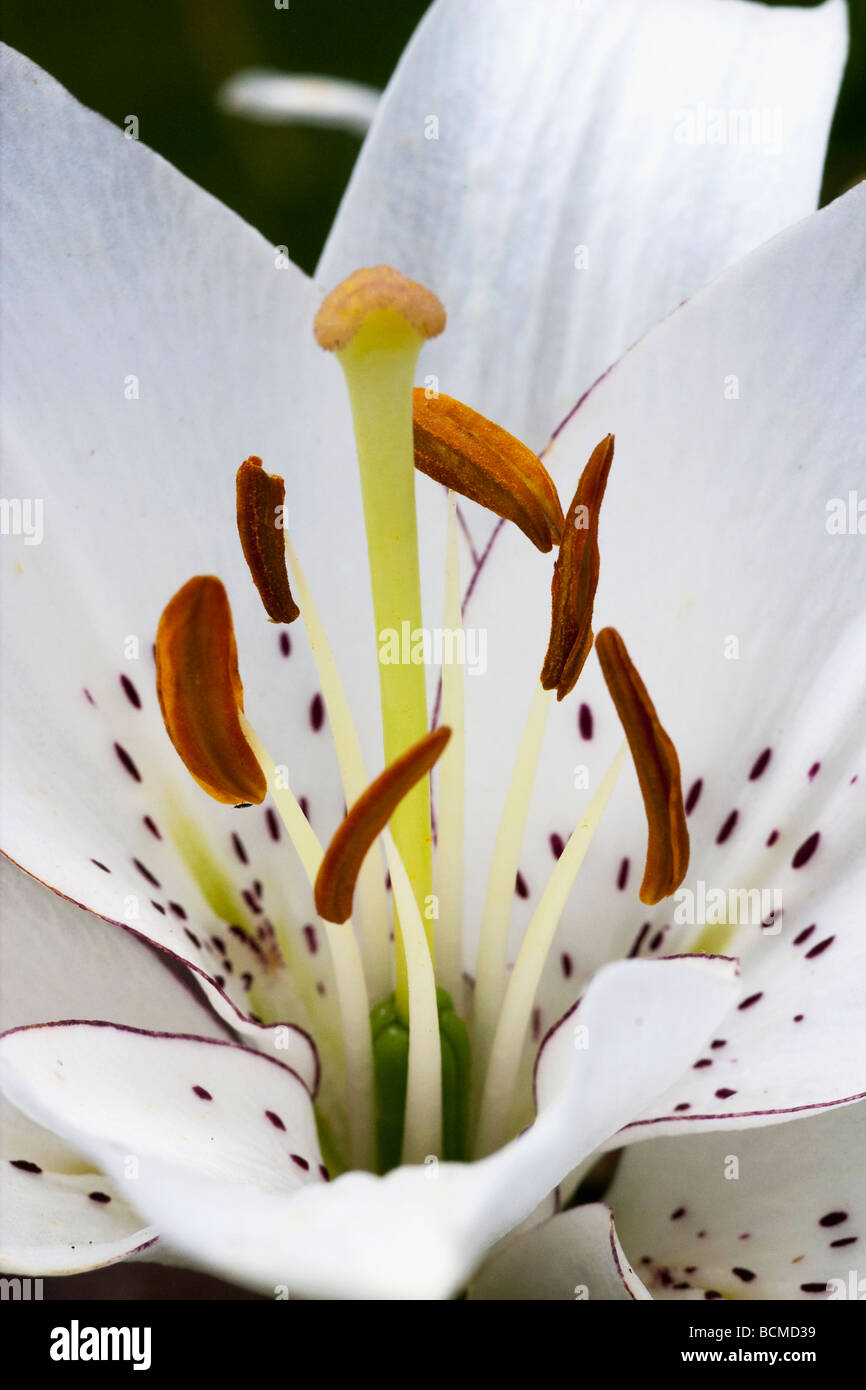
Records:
x=806, y=850
x=202, y=1093
x=585, y=722
x=759, y=766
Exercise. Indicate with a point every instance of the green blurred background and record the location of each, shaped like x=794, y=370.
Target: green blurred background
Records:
x=163, y=61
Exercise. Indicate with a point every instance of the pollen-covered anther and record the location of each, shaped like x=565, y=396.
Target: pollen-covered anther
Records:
x=261, y=499
x=575, y=577
x=473, y=456
x=367, y=818
x=658, y=770
x=200, y=692
x=375, y=290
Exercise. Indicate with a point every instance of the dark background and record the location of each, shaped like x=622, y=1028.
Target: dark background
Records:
x=163, y=61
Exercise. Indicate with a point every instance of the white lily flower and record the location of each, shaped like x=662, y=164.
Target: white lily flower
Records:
x=161, y=345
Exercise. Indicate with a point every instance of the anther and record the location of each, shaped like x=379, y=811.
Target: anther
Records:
x=658, y=770
x=467, y=452
x=200, y=692
x=367, y=818
x=575, y=577
x=261, y=501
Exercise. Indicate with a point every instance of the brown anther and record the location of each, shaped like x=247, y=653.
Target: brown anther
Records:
x=339, y=869
x=658, y=770
x=467, y=452
x=575, y=577
x=261, y=501
x=200, y=692
x=371, y=290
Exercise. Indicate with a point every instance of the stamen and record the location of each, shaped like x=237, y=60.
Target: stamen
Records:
x=514, y=1020
x=658, y=770
x=200, y=692
x=575, y=577
x=465, y=451
x=373, y=910
x=261, y=500
x=348, y=970
x=376, y=322
x=449, y=848
x=365, y=821
x=422, y=1128
x=493, y=944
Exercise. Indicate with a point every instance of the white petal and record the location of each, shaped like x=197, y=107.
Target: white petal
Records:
x=773, y=1214
x=62, y=1223
x=215, y=1176
x=61, y=962
x=714, y=526
x=276, y=98
x=137, y=494
x=511, y=143
x=574, y=1256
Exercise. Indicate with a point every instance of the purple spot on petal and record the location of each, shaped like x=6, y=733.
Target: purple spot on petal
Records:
x=694, y=795
x=301, y=1162
x=152, y=827
x=719, y=1042
x=813, y=771
x=833, y=1218
x=520, y=886
x=702, y=1062
x=747, y=1275
x=304, y=805
x=798, y=1018
x=99, y=864
x=127, y=762
x=724, y=1092
x=323, y=1173
x=193, y=938
x=772, y=838
x=814, y=1288
x=804, y=935
x=145, y=873
x=727, y=828
x=820, y=948
x=275, y=1119
x=585, y=722
x=90, y=699
x=557, y=845
x=638, y=941
x=846, y=1240
x=760, y=764
x=273, y=823
x=102, y=1197
x=752, y=999
x=178, y=911
x=311, y=939
x=565, y=960
x=239, y=849
x=317, y=712
x=25, y=1166
x=130, y=692
x=657, y=941
x=806, y=850
x=683, y=1105
x=159, y=907
x=622, y=876
x=285, y=644
x=202, y=1093
x=676, y=1215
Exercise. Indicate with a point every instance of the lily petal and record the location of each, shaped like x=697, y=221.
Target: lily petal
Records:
x=576, y=1255
x=539, y=174
x=745, y=616
x=755, y=1215
x=64, y=1223
x=239, y=1204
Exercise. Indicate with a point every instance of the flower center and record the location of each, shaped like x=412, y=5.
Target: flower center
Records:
x=413, y=1088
